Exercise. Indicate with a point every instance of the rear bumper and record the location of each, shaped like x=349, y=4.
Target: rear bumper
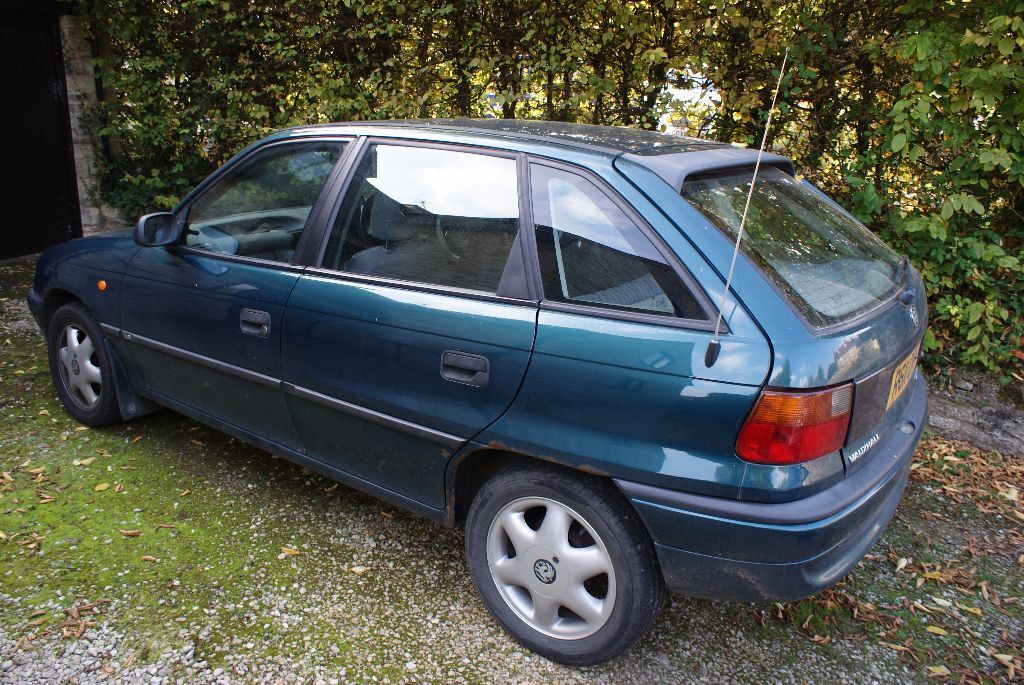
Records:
x=746, y=551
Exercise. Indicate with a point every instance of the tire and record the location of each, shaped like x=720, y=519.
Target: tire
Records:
x=586, y=585
x=80, y=363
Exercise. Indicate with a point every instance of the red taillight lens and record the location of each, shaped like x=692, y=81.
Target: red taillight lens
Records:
x=789, y=427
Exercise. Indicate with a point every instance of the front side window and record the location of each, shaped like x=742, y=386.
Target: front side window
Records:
x=259, y=208
x=441, y=217
x=592, y=253
x=829, y=265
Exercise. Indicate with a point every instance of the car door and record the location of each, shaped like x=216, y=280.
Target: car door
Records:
x=416, y=330
x=204, y=317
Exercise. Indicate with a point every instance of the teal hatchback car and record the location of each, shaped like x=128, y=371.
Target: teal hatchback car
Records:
x=505, y=325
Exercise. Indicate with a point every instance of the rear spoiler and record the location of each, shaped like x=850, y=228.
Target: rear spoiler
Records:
x=675, y=167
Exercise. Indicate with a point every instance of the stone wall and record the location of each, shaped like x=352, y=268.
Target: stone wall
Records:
x=81, y=84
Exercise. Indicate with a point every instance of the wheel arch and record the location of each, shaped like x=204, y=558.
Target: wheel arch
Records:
x=130, y=404
x=471, y=468
x=54, y=299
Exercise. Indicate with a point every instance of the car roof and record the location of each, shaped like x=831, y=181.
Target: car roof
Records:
x=609, y=139
x=671, y=156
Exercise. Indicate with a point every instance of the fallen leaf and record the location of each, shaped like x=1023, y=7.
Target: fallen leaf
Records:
x=937, y=630
x=358, y=570
x=119, y=488
x=149, y=559
x=938, y=671
x=902, y=564
x=101, y=487
x=287, y=552
x=942, y=602
x=44, y=412
x=972, y=610
x=84, y=462
x=130, y=533
x=183, y=493
x=136, y=439
x=1004, y=659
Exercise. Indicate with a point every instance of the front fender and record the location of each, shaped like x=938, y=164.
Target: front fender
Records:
x=74, y=270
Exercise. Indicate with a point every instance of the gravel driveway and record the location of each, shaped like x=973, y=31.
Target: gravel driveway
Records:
x=162, y=551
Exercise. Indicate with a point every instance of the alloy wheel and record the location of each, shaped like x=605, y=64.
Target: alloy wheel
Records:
x=551, y=568
x=79, y=370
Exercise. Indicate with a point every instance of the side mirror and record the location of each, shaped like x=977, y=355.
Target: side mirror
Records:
x=157, y=229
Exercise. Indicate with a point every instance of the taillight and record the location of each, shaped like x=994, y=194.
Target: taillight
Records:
x=792, y=426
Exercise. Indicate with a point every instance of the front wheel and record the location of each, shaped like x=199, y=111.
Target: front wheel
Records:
x=80, y=366
x=563, y=563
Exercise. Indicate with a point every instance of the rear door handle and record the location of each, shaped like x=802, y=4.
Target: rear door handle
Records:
x=462, y=367
x=255, y=322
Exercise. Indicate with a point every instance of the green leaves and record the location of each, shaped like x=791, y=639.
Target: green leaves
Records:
x=912, y=119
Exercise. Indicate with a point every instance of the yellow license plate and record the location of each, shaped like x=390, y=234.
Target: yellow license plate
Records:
x=901, y=376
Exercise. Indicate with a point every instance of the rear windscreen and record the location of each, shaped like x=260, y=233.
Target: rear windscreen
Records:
x=830, y=265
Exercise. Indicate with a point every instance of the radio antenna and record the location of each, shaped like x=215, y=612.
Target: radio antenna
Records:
x=714, y=347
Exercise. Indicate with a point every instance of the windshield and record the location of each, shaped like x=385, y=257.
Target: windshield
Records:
x=830, y=265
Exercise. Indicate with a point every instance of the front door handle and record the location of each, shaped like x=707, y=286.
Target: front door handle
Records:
x=255, y=322
x=462, y=367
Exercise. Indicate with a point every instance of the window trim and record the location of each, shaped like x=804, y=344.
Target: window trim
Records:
x=362, y=148
x=184, y=207
x=671, y=259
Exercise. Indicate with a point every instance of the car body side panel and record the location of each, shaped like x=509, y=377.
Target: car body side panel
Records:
x=379, y=347
x=618, y=398
x=192, y=302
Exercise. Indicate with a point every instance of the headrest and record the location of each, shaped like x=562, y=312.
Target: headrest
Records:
x=391, y=221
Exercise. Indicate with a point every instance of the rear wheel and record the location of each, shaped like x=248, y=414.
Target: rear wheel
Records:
x=563, y=563
x=80, y=366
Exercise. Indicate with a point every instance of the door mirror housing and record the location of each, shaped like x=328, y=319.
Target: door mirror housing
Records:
x=161, y=228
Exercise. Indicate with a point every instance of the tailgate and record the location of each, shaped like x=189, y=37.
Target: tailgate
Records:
x=880, y=395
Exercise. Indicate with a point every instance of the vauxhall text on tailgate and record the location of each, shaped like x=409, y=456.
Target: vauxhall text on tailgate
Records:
x=504, y=325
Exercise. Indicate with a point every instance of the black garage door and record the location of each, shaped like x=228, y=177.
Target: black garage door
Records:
x=38, y=192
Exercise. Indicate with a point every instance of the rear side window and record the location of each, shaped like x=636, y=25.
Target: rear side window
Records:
x=829, y=265
x=428, y=215
x=592, y=253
